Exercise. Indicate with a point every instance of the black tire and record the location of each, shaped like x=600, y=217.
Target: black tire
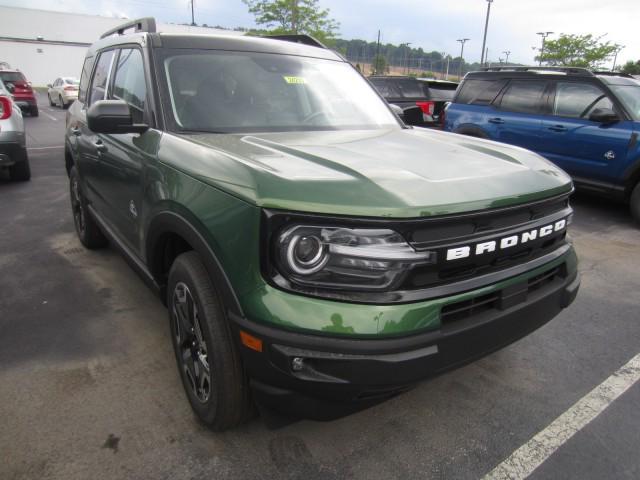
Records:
x=33, y=111
x=201, y=337
x=62, y=104
x=634, y=203
x=51, y=102
x=87, y=229
x=21, y=171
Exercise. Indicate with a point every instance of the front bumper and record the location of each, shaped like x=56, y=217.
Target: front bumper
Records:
x=340, y=375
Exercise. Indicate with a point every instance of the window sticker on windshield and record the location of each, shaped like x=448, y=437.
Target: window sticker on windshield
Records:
x=295, y=80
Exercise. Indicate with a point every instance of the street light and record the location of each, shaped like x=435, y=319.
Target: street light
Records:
x=544, y=36
x=615, y=58
x=486, y=26
x=462, y=42
x=507, y=53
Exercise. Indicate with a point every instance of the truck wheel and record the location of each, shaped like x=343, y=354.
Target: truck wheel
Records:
x=21, y=171
x=634, y=203
x=87, y=229
x=208, y=359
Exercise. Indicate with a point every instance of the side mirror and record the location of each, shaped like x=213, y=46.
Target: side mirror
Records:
x=112, y=116
x=604, y=115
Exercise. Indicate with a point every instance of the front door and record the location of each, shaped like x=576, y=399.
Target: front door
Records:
x=123, y=157
x=584, y=148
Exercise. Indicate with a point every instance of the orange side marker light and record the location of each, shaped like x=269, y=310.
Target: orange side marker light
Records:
x=250, y=341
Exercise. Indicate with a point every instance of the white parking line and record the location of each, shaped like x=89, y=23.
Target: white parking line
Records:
x=50, y=116
x=45, y=148
x=532, y=454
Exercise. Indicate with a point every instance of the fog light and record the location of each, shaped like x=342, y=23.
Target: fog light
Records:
x=297, y=364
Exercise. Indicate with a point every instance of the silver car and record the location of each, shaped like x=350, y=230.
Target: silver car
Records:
x=13, y=150
x=63, y=92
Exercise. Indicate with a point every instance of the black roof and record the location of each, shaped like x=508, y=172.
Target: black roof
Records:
x=301, y=45
x=564, y=72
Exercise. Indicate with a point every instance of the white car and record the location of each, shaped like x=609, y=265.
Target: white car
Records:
x=13, y=149
x=63, y=92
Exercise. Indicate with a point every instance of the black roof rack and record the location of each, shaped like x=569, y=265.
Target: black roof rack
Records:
x=304, y=39
x=147, y=24
x=573, y=70
x=608, y=73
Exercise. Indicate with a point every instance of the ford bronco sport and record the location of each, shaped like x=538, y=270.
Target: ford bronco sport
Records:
x=316, y=255
x=585, y=122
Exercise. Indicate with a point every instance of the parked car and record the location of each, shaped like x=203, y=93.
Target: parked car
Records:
x=316, y=255
x=429, y=95
x=586, y=123
x=13, y=151
x=63, y=92
x=16, y=83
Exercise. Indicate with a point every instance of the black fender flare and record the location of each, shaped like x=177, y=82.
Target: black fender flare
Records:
x=183, y=225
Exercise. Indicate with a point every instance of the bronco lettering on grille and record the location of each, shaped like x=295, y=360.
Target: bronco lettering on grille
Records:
x=505, y=242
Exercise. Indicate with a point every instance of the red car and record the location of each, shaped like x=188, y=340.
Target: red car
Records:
x=21, y=90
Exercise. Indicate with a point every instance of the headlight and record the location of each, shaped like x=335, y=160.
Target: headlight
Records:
x=345, y=258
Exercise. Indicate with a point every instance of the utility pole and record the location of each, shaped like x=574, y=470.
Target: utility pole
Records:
x=544, y=36
x=507, y=53
x=446, y=75
x=443, y=54
x=462, y=42
x=615, y=58
x=486, y=27
x=406, y=52
x=375, y=60
x=193, y=21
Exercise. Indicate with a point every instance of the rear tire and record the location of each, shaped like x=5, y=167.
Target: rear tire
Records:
x=62, y=105
x=87, y=229
x=634, y=203
x=33, y=111
x=21, y=171
x=208, y=359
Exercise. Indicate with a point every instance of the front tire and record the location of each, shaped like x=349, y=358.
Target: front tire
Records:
x=21, y=171
x=634, y=203
x=208, y=360
x=87, y=229
x=51, y=102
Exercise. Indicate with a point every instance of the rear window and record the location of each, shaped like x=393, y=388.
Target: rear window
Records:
x=523, y=97
x=439, y=93
x=479, y=92
x=10, y=77
x=384, y=88
x=399, y=87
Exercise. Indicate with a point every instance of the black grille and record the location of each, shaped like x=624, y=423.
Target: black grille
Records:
x=500, y=299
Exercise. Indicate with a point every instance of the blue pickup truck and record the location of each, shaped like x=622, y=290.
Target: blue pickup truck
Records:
x=585, y=122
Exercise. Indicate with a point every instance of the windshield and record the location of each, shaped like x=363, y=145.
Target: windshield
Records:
x=629, y=95
x=71, y=81
x=10, y=77
x=226, y=92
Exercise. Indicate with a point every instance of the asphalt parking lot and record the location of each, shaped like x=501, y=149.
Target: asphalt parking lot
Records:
x=89, y=388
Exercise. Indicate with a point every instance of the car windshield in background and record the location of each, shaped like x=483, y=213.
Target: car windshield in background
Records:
x=227, y=92
x=71, y=81
x=12, y=77
x=629, y=95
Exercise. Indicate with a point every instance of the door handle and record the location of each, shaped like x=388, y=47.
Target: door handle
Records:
x=496, y=120
x=99, y=146
x=558, y=128
x=76, y=131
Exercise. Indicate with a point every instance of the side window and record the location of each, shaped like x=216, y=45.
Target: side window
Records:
x=523, y=96
x=479, y=92
x=129, y=82
x=101, y=77
x=84, y=79
x=578, y=100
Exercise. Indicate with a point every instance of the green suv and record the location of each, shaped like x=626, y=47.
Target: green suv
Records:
x=316, y=256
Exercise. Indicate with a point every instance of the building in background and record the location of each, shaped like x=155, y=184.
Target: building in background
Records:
x=46, y=45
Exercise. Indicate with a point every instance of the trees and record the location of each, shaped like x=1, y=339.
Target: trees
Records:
x=577, y=51
x=631, y=67
x=294, y=17
x=379, y=65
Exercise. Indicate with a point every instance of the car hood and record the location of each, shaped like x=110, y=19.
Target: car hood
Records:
x=395, y=173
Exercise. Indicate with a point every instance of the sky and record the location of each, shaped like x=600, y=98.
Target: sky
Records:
x=430, y=24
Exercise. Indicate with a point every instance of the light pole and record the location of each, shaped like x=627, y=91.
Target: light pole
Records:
x=406, y=61
x=544, y=36
x=507, y=53
x=615, y=58
x=462, y=42
x=443, y=55
x=486, y=27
